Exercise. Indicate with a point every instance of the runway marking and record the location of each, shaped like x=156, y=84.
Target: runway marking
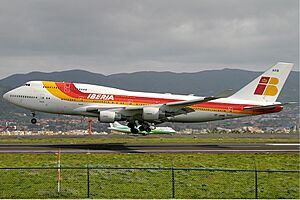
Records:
x=288, y=144
x=246, y=150
x=244, y=146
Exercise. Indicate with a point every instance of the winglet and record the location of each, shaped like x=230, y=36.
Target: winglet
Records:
x=225, y=94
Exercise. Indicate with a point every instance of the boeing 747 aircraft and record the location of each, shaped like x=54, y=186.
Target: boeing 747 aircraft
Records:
x=143, y=110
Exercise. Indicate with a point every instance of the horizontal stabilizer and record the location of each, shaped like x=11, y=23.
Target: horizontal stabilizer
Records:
x=267, y=107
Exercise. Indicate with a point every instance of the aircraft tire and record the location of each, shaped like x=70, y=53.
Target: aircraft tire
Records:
x=33, y=121
x=141, y=128
x=134, y=130
x=130, y=125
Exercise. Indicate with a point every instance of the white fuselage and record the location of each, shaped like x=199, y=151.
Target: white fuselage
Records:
x=54, y=97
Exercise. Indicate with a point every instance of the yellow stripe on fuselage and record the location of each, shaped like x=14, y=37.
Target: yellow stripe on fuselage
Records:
x=52, y=88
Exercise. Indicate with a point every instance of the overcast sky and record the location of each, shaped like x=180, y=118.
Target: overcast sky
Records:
x=112, y=36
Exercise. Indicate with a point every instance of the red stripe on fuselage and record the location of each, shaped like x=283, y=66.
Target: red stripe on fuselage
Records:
x=71, y=90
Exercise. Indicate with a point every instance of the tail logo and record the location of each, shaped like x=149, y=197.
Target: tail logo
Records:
x=267, y=86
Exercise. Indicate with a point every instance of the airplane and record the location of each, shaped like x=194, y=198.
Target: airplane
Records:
x=116, y=126
x=143, y=111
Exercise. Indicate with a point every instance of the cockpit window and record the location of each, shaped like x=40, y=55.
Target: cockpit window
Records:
x=27, y=84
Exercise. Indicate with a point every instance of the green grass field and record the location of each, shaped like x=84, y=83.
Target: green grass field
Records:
x=129, y=183
x=133, y=183
x=264, y=161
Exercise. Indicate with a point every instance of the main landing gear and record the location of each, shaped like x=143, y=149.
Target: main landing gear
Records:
x=33, y=120
x=145, y=127
x=136, y=128
x=133, y=128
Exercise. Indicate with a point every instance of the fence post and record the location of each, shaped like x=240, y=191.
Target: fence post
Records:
x=58, y=173
x=88, y=181
x=256, y=178
x=173, y=183
x=256, y=184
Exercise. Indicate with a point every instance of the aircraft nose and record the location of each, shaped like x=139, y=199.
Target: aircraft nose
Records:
x=5, y=96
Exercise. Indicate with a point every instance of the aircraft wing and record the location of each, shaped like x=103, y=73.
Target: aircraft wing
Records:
x=171, y=108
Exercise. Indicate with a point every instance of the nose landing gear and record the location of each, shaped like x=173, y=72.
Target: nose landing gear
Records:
x=33, y=120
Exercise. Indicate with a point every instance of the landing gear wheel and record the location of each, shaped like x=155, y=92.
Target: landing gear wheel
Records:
x=33, y=121
x=141, y=128
x=131, y=125
x=134, y=130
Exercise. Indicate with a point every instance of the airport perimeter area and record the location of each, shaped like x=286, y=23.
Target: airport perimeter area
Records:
x=106, y=167
x=150, y=183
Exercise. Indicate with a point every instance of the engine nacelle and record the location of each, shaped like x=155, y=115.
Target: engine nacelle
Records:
x=151, y=113
x=107, y=116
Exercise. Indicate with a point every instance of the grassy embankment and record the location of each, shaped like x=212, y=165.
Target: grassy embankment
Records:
x=105, y=183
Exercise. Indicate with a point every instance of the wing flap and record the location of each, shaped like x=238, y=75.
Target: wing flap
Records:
x=181, y=104
x=190, y=102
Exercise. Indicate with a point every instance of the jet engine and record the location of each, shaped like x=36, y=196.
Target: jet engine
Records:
x=151, y=113
x=108, y=116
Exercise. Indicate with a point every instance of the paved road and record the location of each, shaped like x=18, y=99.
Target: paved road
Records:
x=150, y=148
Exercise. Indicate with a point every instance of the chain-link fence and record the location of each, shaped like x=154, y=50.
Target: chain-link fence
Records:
x=188, y=183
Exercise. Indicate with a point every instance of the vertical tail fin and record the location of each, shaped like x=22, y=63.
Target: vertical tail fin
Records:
x=267, y=86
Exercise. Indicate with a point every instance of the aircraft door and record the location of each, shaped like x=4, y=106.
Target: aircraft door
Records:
x=81, y=99
x=42, y=98
x=230, y=109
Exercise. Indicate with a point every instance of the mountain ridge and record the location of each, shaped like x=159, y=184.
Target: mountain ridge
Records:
x=208, y=82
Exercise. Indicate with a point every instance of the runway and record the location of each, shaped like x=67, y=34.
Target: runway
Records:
x=152, y=148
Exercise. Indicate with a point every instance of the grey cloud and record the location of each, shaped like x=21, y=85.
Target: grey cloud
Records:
x=126, y=35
